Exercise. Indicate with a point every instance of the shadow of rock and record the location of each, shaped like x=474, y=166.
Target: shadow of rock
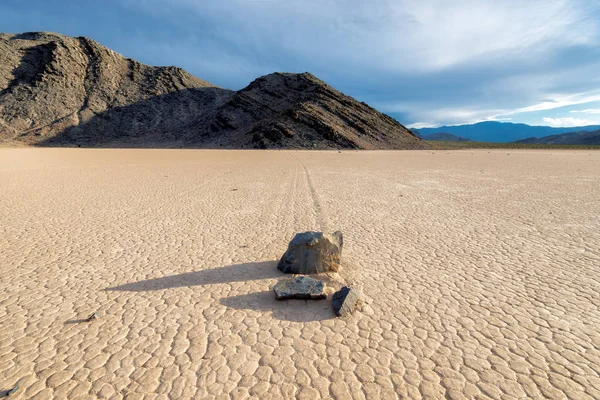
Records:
x=76, y=321
x=232, y=273
x=286, y=310
x=8, y=393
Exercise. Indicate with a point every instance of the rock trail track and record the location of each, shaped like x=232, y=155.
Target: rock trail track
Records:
x=483, y=271
x=323, y=223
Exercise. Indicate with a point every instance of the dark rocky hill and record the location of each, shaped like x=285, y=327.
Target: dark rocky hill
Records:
x=57, y=90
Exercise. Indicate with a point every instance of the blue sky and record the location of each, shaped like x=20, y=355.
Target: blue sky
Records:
x=427, y=63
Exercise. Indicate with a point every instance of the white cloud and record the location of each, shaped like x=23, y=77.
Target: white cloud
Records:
x=456, y=117
x=560, y=101
x=445, y=62
x=419, y=125
x=569, y=121
x=398, y=35
x=587, y=111
x=438, y=116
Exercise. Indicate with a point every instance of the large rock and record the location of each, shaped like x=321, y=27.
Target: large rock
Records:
x=345, y=301
x=312, y=253
x=301, y=287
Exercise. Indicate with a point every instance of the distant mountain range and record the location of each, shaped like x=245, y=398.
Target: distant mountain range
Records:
x=502, y=132
x=57, y=90
x=446, y=137
x=582, y=138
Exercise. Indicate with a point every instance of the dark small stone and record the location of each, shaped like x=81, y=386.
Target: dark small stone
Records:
x=92, y=317
x=301, y=287
x=344, y=301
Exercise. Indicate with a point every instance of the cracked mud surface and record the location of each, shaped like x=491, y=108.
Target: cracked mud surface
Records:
x=483, y=270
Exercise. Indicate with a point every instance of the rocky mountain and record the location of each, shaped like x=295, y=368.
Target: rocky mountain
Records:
x=446, y=137
x=57, y=90
x=502, y=132
x=580, y=138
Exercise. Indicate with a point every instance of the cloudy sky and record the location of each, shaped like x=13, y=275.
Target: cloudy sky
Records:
x=427, y=63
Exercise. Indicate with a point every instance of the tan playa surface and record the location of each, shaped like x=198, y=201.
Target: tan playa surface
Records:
x=482, y=269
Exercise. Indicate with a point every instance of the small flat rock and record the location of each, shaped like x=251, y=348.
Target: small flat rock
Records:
x=345, y=301
x=312, y=253
x=302, y=287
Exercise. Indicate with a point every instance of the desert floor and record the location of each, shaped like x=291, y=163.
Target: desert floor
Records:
x=480, y=269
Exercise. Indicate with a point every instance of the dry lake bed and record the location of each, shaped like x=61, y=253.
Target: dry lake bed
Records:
x=480, y=270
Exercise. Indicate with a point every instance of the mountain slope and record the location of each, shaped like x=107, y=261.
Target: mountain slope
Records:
x=58, y=90
x=581, y=138
x=492, y=131
x=51, y=82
